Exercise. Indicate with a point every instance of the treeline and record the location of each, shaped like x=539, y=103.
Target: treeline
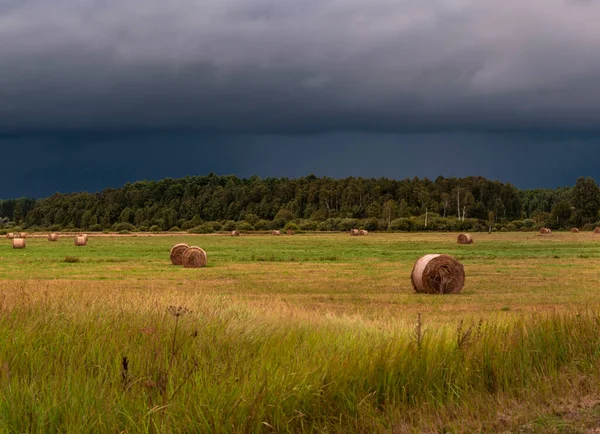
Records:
x=212, y=202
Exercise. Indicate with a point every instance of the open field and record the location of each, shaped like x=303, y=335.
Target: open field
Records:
x=315, y=333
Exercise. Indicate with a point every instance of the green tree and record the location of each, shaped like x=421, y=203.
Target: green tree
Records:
x=390, y=211
x=561, y=213
x=586, y=200
x=18, y=214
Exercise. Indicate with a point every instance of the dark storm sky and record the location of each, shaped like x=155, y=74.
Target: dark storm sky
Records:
x=95, y=93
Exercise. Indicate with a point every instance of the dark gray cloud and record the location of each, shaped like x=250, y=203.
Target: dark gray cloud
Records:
x=81, y=161
x=313, y=66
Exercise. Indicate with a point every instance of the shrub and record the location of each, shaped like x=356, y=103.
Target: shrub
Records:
x=329, y=225
x=401, y=224
x=251, y=218
x=118, y=227
x=284, y=215
x=215, y=225
x=143, y=228
x=291, y=226
x=187, y=225
x=308, y=225
x=228, y=225
x=277, y=223
x=244, y=226
x=528, y=224
x=588, y=227
x=155, y=228
x=347, y=224
x=262, y=225
x=204, y=228
x=371, y=224
x=174, y=229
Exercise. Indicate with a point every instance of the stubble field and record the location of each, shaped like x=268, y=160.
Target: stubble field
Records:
x=304, y=333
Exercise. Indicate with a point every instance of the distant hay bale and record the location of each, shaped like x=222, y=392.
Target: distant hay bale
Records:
x=23, y=235
x=597, y=230
x=575, y=230
x=363, y=232
x=10, y=236
x=235, y=233
x=354, y=232
x=276, y=233
x=545, y=231
x=18, y=243
x=53, y=237
x=438, y=274
x=84, y=236
x=290, y=232
x=177, y=252
x=465, y=239
x=80, y=241
x=194, y=257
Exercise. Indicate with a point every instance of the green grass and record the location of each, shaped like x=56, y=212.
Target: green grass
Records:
x=311, y=333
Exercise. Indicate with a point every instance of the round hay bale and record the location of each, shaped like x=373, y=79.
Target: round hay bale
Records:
x=438, y=274
x=597, y=230
x=235, y=233
x=177, y=252
x=84, y=236
x=19, y=243
x=10, y=236
x=276, y=233
x=575, y=230
x=23, y=235
x=465, y=239
x=290, y=232
x=363, y=232
x=53, y=237
x=354, y=232
x=80, y=241
x=194, y=257
x=545, y=231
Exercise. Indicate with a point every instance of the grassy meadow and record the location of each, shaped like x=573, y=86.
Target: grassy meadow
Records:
x=305, y=333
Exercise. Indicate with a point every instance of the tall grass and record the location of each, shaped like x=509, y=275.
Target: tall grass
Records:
x=229, y=368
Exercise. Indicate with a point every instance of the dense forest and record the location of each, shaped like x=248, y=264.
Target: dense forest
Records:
x=212, y=203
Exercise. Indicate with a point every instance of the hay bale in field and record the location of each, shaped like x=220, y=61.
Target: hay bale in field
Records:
x=194, y=257
x=276, y=233
x=80, y=241
x=545, y=231
x=53, y=237
x=597, y=230
x=438, y=274
x=177, y=252
x=290, y=232
x=235, y=233
x=19, y=243
x=575, y=230
x=354, y=232
x=84, y=236
x=23, y=235
x=10, y=236
x=363, y=232
x=465, y=239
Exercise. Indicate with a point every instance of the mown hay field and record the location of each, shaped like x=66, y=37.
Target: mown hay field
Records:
x=310, y=333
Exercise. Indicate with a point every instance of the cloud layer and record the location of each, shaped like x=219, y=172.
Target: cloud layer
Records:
x=285, y=67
